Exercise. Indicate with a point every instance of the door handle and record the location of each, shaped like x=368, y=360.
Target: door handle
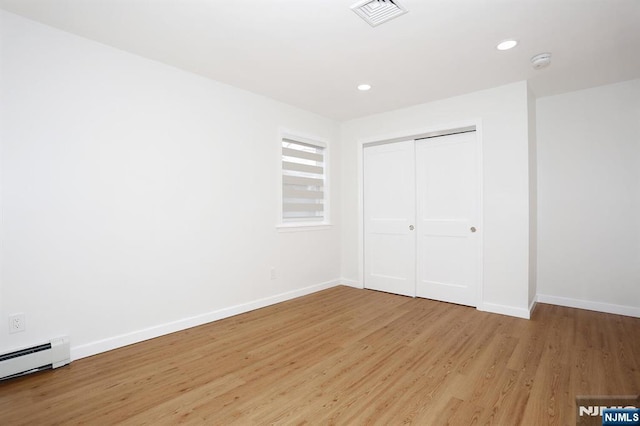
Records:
x=411, y=228
x=472, y=229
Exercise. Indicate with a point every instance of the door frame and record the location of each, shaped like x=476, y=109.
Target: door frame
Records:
x=436, y=130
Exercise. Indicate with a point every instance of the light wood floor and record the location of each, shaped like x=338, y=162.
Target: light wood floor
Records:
x=346, y=356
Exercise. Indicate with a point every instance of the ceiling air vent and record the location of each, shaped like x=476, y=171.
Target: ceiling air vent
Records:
x=375, y=12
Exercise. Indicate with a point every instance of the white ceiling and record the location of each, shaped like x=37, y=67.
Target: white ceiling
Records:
x=313, y=53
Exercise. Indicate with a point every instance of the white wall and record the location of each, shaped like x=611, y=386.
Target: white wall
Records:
x=533, y=198
x=139, y=199
x=503, y=113
x=589, y=198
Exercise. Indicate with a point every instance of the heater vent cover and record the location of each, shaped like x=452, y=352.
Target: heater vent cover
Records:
x=375, y=12
x=53, y=354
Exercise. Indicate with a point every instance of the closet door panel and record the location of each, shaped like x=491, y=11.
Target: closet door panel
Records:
x=389, y=209
x=447, y=203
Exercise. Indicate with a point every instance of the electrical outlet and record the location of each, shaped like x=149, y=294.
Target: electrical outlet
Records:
x=274, y=273
x=17, y=323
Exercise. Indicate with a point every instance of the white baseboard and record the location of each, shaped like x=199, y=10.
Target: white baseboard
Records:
x=351, y=283
x=505, y=310
x=631, y=311
x=110, y=343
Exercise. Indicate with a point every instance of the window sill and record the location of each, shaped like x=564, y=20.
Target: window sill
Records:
x=298, y=227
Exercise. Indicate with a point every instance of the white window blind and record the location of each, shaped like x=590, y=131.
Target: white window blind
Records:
x=303, y=181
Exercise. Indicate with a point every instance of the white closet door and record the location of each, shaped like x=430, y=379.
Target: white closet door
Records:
x=389, y=209
x=447, y=238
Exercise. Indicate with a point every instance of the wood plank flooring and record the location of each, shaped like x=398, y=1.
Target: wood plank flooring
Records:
x=346, y=356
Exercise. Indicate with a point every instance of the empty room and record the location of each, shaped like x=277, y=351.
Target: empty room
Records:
x=320, y=212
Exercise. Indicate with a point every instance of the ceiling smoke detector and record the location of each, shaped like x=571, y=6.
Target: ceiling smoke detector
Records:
x=540, y=61
x=375, y=12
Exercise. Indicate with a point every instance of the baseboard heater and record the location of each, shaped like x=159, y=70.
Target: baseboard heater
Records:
x=50, y=355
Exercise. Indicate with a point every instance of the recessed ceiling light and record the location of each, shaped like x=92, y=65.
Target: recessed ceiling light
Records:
x=364, y=87
x=507, y=44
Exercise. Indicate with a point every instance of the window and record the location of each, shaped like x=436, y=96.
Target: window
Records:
x=304, y=183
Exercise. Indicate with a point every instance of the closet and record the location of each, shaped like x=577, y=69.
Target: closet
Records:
x=421, y=217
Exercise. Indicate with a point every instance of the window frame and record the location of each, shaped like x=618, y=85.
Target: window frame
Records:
x=284, y=225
